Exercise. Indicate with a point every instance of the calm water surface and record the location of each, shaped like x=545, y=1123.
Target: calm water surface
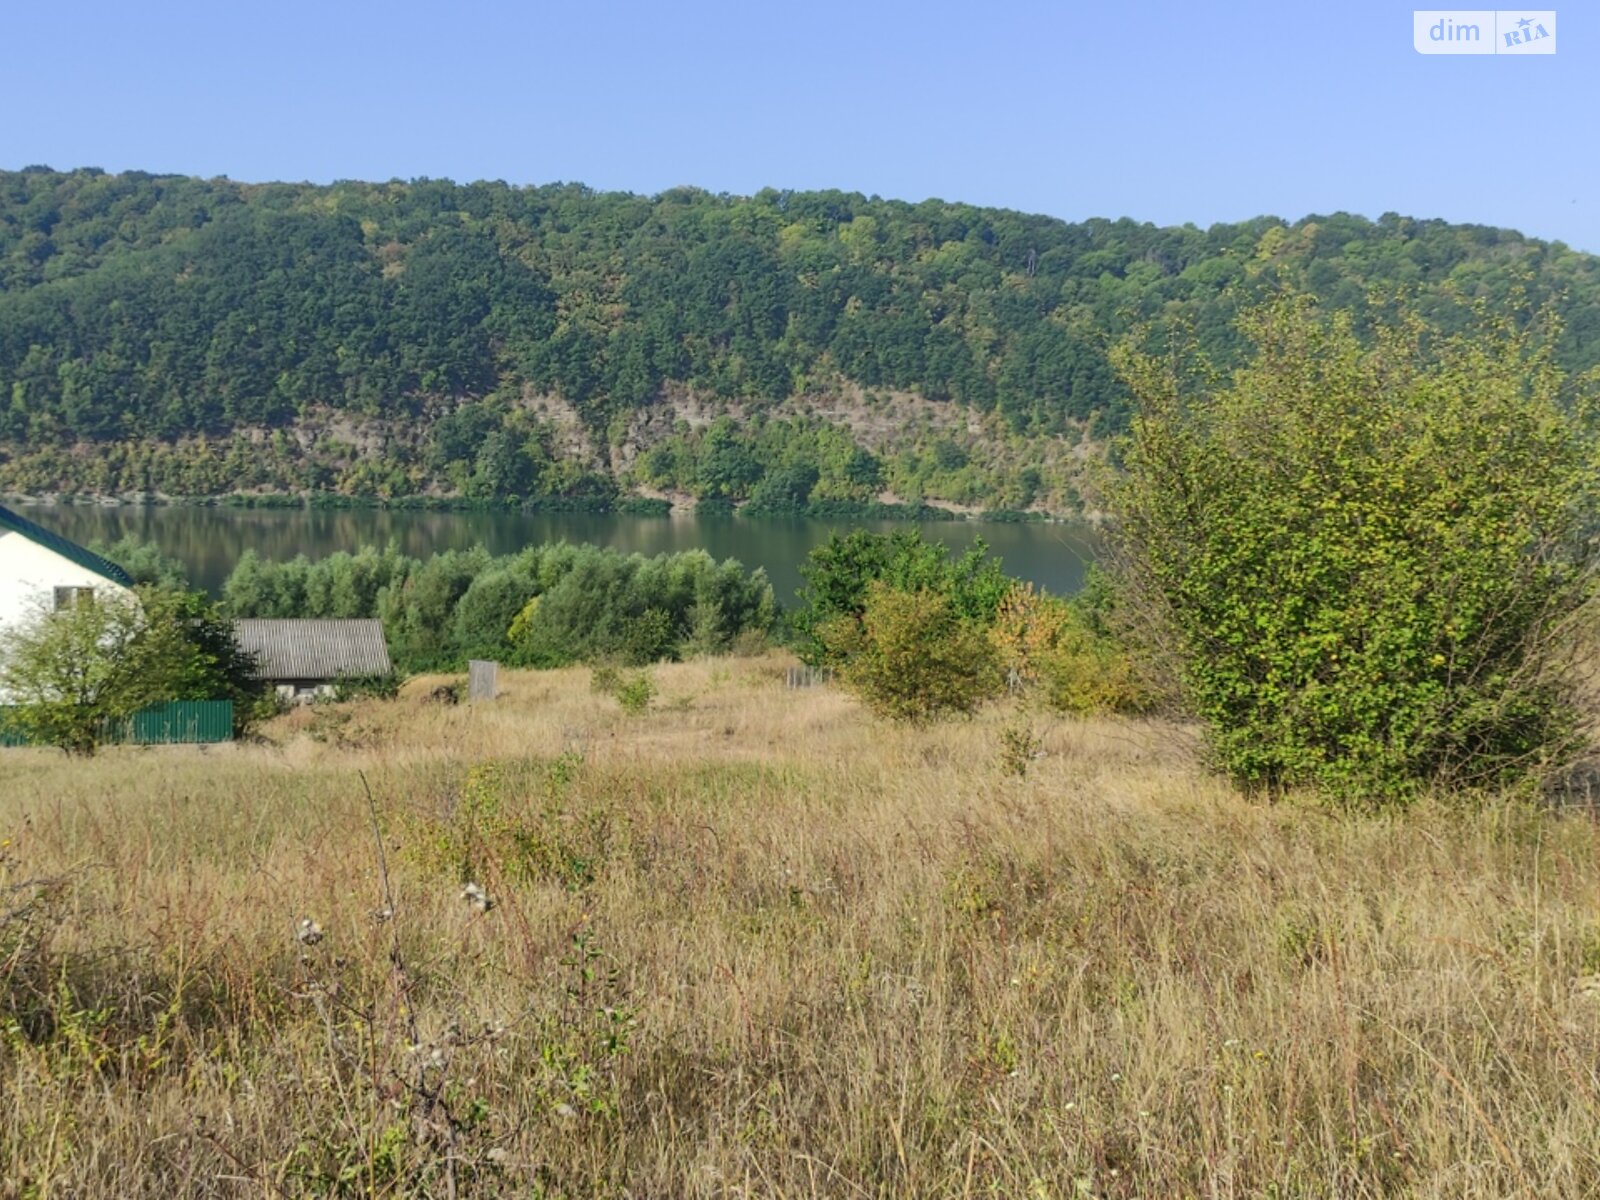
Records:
x=210, y=540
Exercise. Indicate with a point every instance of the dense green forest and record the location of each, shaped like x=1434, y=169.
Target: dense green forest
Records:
x=536, y=344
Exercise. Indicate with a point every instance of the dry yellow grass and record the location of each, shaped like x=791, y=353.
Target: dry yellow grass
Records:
x=755, y=944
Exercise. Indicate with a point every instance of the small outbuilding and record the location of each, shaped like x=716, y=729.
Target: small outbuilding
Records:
x=303, y=659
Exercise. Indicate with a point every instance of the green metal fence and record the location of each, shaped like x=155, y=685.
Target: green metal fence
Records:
x=182, y=721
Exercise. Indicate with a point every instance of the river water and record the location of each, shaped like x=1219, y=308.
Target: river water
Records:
x=210, y=540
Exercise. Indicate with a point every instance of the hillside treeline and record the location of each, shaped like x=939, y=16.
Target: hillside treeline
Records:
x=137, y=309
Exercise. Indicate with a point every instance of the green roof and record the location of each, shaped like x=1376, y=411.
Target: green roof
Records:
x=71, y=551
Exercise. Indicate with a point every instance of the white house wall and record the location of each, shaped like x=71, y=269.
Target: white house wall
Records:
x=30, y=573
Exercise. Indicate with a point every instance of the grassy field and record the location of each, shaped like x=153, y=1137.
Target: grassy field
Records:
x=752, y=943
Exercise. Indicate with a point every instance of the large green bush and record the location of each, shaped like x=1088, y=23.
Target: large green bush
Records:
x=1365, y=556
x=913, y=656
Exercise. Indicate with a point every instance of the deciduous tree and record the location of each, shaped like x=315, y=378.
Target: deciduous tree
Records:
x=1367, y=554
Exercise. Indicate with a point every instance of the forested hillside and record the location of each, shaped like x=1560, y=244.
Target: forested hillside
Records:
x=198, y=337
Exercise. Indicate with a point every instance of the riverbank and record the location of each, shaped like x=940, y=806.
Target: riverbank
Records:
x=642, y=505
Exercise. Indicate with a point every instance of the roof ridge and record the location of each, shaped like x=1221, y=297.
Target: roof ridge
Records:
x=65, y=547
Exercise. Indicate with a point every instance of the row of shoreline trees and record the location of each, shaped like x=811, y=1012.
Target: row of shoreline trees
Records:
x=545, y=606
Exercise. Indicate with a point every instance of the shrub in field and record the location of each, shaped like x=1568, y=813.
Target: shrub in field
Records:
x=1018, y=747
x=634, y=690
x=913, y=656
x=527, y=827
x=1050, y=647
x=604, y=680
x=840, y=572
x=1366, y=555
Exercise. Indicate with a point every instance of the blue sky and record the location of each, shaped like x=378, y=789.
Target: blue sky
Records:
x=1162, y=112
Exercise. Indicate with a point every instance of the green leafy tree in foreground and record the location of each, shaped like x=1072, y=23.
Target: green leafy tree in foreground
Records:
x=68, y=674
x=1366, y=560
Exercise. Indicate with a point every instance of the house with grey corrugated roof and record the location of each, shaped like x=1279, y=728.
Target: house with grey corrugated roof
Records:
x=304, y=658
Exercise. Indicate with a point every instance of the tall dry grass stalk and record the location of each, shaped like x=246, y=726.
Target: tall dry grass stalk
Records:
x=753, y=943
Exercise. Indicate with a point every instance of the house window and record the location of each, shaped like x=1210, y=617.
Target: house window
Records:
x=71, y=597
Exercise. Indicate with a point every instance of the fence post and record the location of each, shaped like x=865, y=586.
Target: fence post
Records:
x=806, y=677
x=482, y=679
